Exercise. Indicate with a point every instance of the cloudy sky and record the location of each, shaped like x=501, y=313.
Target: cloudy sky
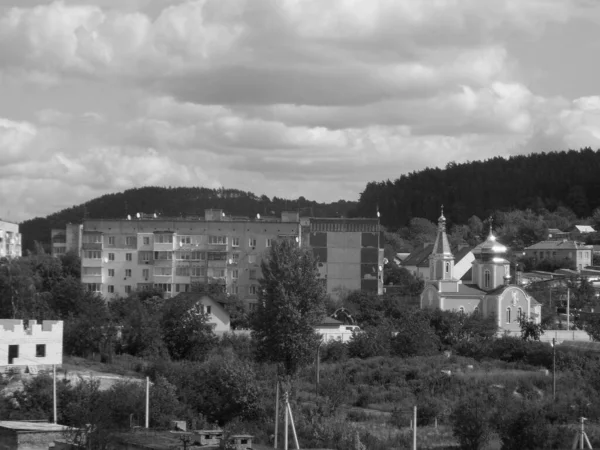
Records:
x=282, y=97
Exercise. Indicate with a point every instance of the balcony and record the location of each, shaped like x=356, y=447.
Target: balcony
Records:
x=91, y=246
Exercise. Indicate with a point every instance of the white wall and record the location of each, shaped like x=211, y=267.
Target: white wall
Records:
x=13, y=332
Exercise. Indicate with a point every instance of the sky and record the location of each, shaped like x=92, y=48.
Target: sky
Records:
x=285, y=98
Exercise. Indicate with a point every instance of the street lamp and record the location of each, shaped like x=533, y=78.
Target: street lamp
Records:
x=553, y=369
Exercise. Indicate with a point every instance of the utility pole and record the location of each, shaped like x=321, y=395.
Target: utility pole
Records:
x=554, y=369
x=568, y=308
x=147, y=402
x=581, y=438
x=415, y=429
x=54, y=391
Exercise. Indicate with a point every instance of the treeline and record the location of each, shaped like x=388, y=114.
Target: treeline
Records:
x=536, y=181
x=176, y=202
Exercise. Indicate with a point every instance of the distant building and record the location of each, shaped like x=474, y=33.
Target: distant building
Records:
x=30, y=344
x=554, y=234
x=332, y=330
x=10, y=240
x=489, y=293
x=583, y=229
x=349, y=253
x=120, y=256
x=578, y=254
x=418, y=262
x=218, y=316
x=66, y=240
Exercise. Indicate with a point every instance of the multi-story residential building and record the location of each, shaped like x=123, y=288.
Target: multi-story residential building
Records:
x=10, y=240
x=349, y=251
x=67, y=240
x=580, y=255
x=120, y=256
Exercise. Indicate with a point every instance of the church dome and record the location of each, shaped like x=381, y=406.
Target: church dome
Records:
x=492, y=247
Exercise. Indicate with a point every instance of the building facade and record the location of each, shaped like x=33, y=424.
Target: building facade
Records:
x=29, y=343
x=579, y=255
x=349, y=253
x=10, y=240
x=121, y=256
x=67, y=239
x=490, y=292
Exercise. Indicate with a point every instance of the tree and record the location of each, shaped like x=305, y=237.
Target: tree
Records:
x=471, y=423
x=291, y=301
x=185, y=328
x=529, y=329
x=524, y=429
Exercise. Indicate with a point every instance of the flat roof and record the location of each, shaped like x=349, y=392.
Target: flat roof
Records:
x=32, y=426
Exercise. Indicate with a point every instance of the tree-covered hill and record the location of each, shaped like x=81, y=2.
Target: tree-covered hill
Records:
x=176, y=202
x=536, y=181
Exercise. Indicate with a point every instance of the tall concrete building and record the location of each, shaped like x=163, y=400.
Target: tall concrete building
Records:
x=67, y=240
x=349, y=251
x=10, y=240
x=120, y=256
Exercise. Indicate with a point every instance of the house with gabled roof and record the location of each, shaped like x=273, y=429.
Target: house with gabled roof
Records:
x=489, y=292
x=214, y=308
x=579, y=255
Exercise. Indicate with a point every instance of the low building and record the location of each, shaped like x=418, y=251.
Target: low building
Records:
x=29, y=344
x=218, y=316
x=16, y=435
x=576, y=254
x=333, y=330
x=10, y=240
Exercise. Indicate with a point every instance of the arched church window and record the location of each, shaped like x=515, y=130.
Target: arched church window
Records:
x=447, y=267
x=520, y=312
x=508, y=315
x=486, y=279
x=476, y=311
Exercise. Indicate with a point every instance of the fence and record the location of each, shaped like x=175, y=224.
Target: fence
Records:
x=559, y=335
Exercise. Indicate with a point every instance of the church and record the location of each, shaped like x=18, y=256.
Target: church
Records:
x=490, y=291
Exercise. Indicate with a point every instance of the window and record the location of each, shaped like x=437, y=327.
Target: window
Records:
x=111, y=289
x=486, y=278
x=218, y=273
x=252, y=242
x=252, y=306
x=182, y=271
x=185, y=240
x=163, y=238
x=92, y=254
x=94, y=287
x=127, y=272
x=252, y=259
x=146, y=240
x=128, y=257
x=131, y=241
x=182, y=256
x=234, y=290
x=163, y=255
x=146, y=273
x=208, y=309
x=217, y=240
x=234, y=274
x=111, y=256
x=235, y=258
x=127, y=289
x=252, y=289
x=217, y=256
x=198, y=256
x=163, y=271
x=40, y=350
x=448, y=271
x=235, y=242
x=13, y=353
x=182, y=287
x=93, y=271
x=252, y=275
x=165, y=287
x=92, y=238
x=508, y=315
x=519, y=312
x=145, y=256
x=269, y=242
x=111, y=240
x=476, y=311
x=198, y=271
x=111, y=272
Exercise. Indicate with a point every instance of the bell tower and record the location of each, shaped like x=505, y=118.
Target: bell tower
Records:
x=441, y=260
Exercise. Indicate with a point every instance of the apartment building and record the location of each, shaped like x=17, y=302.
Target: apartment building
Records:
x=10, y=240
x=120, y=256
x=349, y=251
x=67, y=240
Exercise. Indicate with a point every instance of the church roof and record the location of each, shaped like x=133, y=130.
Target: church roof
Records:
x=418, y=256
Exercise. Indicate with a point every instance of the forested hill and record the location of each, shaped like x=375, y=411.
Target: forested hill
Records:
x=175, y=202
x=541, y=180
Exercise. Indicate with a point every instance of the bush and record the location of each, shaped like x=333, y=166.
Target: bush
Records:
x=334, y=351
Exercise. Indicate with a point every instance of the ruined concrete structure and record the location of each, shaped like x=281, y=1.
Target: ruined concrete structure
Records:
x=29, y=343
x=10, y=240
